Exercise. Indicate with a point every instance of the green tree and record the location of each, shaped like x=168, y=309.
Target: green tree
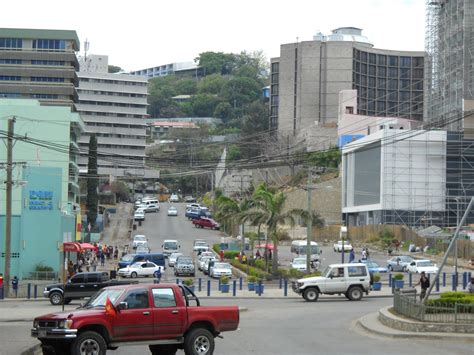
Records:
x=223, y=111
x=204, y=105
x=215, y=63
x=269, y=208
x=253, y=122
x=114, y=69
x=240, y=91
x=92, y=182
x=211, y=84
x=186, y=87
x=121, y=191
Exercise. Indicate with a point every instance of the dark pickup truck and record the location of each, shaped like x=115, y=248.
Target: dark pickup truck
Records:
x=83, y=284
x=166, y=317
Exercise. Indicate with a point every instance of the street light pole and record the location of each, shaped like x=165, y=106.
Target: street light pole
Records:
x=8, y=207
x=456, y=248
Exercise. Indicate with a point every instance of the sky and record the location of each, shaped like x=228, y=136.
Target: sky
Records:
x=145, y=33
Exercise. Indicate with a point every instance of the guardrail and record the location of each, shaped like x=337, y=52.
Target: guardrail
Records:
x=43, y=275
x=408, y=306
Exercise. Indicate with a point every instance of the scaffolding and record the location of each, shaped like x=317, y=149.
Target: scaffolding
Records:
x=449, y=74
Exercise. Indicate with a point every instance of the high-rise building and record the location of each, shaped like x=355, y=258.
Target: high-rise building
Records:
x=306, y=79
x=449, y=65
x=39, y=64
x=114, y=108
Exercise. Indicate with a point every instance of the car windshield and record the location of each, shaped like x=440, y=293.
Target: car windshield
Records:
x=222, y=266
x=299, y=261
x=171, y=245
x=425, y=263
x=175, y=255
x=201, y=244
x=172, y=209
x=139, y=238
x=185, y=260
x=99, y=299
x=128, y=257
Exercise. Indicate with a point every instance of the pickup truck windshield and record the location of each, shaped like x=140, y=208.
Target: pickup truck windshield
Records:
x=99, y=299
x=170, y=245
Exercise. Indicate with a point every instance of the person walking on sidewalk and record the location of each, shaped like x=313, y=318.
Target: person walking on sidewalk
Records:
x=425, y=284
x=351, y=255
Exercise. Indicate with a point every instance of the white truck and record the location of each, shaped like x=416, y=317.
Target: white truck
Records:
x=338, y=247
x=350, y=280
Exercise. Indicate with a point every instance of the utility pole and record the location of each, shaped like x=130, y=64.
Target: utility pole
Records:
x=242, y=228
x=309, y=223
x=8, y=215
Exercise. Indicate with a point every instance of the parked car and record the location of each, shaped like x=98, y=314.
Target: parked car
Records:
x=200, y=247
x=204, y=222
x=173, y=211
x=299, y=264
x=152, y=207
x=172, y=259
x=193, y=205
x=189, y=199
x=156, y=258
x=417, y=266
x=139, y=239
x=81, y=285
x=221, y=269
x=139, y=215
x=374, y=267
x=139, y=310
x=338, y=246
x=399, y=263
x=208, y=264
x=202, y=261
x=174, y=198
x=142, y=268
x=351, y=280
x=184, y=266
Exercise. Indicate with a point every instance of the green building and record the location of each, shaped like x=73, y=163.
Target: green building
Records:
x=45, y=198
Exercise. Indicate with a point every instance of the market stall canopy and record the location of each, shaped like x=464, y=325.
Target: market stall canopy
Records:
x=85, y=246
x=73, y=247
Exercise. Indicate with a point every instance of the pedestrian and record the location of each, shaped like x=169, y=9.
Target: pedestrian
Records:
x=15, y=285
x=425, y=284
x=87, y=264
x=79, y=265
x=257, y=254
x=470, y=285
x=244, y=258
x=351, y=255
x=367, y=253
x=70, y=268
x=269, y=254
x=158, y=275
x=1, y=286
x=102, y=259
x=221, y=254
x=94, y=263
x=116, y=253
x=364, y=254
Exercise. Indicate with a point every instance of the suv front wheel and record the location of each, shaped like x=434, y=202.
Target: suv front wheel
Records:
x=355, y=293
x=311, y=294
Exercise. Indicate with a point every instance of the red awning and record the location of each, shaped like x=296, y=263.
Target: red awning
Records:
x=72, y=247
x=85, y=246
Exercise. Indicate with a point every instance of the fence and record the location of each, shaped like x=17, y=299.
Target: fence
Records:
x=409, y=307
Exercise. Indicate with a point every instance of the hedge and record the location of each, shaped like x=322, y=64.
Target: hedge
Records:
x=251, y=271
x=450, y=299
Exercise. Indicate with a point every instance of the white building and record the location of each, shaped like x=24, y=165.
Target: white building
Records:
x=395, y=177
x=114, y=107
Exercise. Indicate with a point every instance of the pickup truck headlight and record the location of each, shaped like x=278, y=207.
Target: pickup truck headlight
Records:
x=65, y=324
x=35, y=324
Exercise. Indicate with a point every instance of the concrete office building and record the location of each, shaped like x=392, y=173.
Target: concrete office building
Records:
x=450, y=64
x=182, y=68
x=114, y=107
x=306, y=80
x=39, y=64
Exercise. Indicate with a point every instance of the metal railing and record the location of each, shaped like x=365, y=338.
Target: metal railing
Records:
x=43, y=275
x=408, y=306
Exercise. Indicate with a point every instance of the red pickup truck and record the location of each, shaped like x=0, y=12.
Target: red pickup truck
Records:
x=158, y=315
x=205, y=222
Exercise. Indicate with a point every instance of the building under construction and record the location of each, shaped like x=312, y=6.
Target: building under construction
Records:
x=449, y=65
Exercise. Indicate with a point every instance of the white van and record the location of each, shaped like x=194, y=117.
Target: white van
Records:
x=170, y=246
x=152, y=205
x=299, y=247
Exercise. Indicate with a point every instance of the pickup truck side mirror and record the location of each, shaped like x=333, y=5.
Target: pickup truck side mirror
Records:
x=122, y=306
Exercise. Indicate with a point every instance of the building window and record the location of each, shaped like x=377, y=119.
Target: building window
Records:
x=405, y=62
x=275, y=67
x=11, y=43
x=10, y=61
x=381, y=60
x=392, y=72
x=372, y=58
x=49, y=44
x=47, y=79
x=350, y=110
x=10, y=95
x=44, y=96
x=363, y=57
x=381, y=71
x=48, y=62
x=393, y=61
x=10, y=78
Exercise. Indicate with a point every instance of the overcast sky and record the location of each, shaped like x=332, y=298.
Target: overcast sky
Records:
x=145, y=33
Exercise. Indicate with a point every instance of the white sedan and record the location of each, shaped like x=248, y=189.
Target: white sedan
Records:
x=140, y=269
x=299, y=264
x=202, y=261
x=172, y=211
x=221, y=269
x=338, y=246
x=418, y=266
x=139, y=215
x=172, y=259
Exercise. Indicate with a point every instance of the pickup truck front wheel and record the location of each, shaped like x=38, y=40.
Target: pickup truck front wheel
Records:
x=311, y=294
x=89, y=343
x=56, y=298
x=199, y=341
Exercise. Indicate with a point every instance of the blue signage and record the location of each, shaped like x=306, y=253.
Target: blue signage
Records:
x=41, y=200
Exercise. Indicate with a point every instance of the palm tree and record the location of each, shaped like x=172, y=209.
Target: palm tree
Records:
x=231, y=211
x=269, y=207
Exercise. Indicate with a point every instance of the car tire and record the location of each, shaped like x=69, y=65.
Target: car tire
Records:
x=311, y=294
x=355, y=293
x=133, y=275
x=88, y=342
x=56, y=298
x=163, y=349
x=199, y=341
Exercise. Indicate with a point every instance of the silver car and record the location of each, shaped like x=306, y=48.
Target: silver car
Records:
x=399, y=263
x=184, y=266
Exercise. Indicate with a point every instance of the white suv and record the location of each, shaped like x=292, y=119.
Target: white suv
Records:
x=352, y=280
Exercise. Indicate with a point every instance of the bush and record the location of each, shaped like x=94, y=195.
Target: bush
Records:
x=260, y=263
x=216, y=248
x=250, y=270
x=188, y=282
x=313, y=274
x=251, y=279
x=376, y=277
x=295, y=274
x=450, y=300
x=398, y=277
x=231, y=254
x=224, y=280
x=44, y=268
